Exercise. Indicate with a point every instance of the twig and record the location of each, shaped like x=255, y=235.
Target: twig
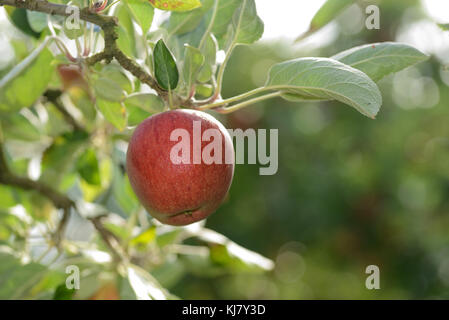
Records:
x=53, y=96
x=109, y=239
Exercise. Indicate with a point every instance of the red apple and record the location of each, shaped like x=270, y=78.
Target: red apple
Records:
x=179, y=193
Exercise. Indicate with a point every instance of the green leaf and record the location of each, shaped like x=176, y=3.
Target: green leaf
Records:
x=227, y=253
x=165, y=68
x=145, y=101
x=328, y=12
x=142, y=12
x=87, y=166
x=108, y=89
x=16, y=126
x=193, y=62
x=37, y=20
x=143, y=239
x=204, y=90
x=176, y=5
x=247, y=27
x=114, y=112
x=27, y=81
x=183, y=22
x=136, y=115
x=59, y=159
x=123, y=193
x=63, y=293
x=17, y=279
x=71, y=32
x=145, y=287
x=6, y=197
x=378, y=60
x=225, y=12
x=127, y=39
x=326, y=79
x=114, y=73
x=19, y=19
x=209, y=51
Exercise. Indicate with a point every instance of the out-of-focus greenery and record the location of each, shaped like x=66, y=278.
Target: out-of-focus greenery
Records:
x=350, y=192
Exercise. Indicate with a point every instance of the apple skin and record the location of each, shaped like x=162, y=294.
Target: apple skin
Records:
x=177, y=194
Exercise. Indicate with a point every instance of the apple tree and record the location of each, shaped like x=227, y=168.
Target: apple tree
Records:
x=86, y=74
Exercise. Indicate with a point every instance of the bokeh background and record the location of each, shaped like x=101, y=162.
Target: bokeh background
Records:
x=350, y=192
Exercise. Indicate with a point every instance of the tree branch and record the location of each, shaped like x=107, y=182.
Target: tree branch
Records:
x=107, y=23
x=53, y=96
x=59, y=200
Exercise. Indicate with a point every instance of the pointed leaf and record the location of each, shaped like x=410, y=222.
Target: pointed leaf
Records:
x=193, y=62
x=247, y=27
x=37, y=20
x=146, y=101
x=142, y=12
x=27, y=81
x=165, y=68
x=144, y=285
x=328, y=12
x=378, y=60
x=114, y=112
x=225, y=12
x=183, y=22
x=326, y=79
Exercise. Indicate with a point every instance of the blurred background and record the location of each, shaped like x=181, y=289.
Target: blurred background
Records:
x=350, y=192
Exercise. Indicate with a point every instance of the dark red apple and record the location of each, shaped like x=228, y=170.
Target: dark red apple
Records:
x=179, y=193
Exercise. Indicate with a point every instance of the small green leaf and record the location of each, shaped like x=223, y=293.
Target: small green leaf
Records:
x=176, y=5
x=326, y=79
x=17, y=279
x=63, y=293
x=247, y=27
x=37, y=20
x=146, y=101
x=183, y=22
x=19, y=19
x=127, y=39
x=204, y=90
x=225, y=12
x=114, y=112
x=378, y=60
x=108, y=89
x=114, y=73
x=193, y=62
x=72, y=32
x=123, y=193
x=142, y=12
x=328, y=12
x=27, y=81
x=165, y=68
x=228, y=253
x=143, y=239
x=87, y=166
x=16, y=126
x=209, y=51
x=136, y=115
